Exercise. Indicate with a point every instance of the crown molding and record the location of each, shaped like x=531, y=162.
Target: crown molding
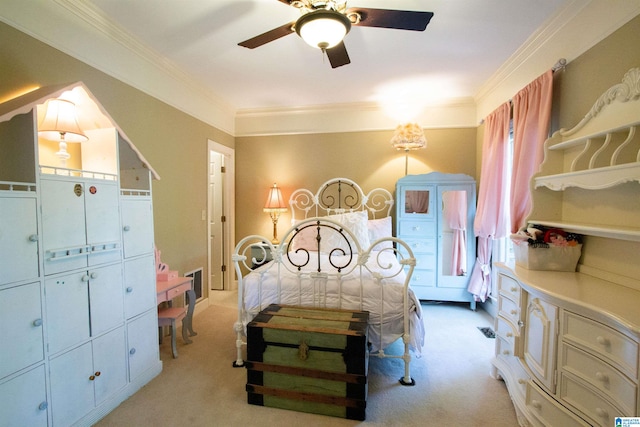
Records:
x=110, y=49
x=562, y=36
x=352, y=117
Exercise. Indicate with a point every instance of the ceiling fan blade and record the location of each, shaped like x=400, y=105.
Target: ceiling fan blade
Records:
x=269, y=36
x=338, y=55
x=387, y=18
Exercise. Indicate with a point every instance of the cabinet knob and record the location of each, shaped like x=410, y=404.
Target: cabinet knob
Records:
x=132, y=351
x=85, y=278
x=126, y=228
x=94, y=275
x=129, y=289
x=43, y=406
x=37, y=322
x=33, y=238
x=536, y=404
x=602, y=413
x=602, y=377
x=93, y=377
x=602, y=341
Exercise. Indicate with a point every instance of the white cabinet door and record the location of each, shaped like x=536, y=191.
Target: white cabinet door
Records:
x=102, y=218
x=21, y=331
x=63, y=226
x=71, y=386
x=23, y=400
x=106, y=302
x=142, y=338
x=140, y=285
x=86, y=376
x=18, y=239
x=67, y=302
x=137, y=227
x=109, y=360
x=540, y=341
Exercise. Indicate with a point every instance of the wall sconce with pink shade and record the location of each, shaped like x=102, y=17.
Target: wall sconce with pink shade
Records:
x=61, y=124
x=274, y=207
x=407, y=137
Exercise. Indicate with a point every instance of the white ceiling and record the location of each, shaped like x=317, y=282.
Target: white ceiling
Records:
x=473, y=55
x=465, y=43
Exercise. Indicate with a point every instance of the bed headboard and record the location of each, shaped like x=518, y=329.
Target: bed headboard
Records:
x=339, y=195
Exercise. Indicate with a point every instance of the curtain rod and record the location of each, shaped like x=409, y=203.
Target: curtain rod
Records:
x=558, y=66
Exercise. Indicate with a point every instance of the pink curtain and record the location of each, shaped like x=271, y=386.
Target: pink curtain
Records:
x=531, y=119
x=455, y=215
x=491, y=221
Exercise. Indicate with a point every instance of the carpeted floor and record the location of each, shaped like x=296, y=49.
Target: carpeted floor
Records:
x=453, y=385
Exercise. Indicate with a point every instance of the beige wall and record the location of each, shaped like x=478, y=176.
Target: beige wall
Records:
x=174, y=143
x=295, y=161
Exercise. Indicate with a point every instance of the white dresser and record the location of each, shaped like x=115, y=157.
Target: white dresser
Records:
x=567, y=342
x=77, y=283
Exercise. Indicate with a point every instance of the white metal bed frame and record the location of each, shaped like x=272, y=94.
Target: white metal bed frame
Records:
x=336, y=196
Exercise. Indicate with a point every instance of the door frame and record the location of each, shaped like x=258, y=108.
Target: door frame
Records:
x=229, y=209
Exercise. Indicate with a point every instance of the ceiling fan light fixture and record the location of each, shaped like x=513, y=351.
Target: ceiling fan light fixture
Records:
x=323, y=29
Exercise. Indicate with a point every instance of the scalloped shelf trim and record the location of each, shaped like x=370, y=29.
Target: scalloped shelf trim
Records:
x=591, y=179
x=599, y=230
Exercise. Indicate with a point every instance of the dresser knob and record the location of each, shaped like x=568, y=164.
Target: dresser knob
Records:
x=603, y=341
x=602, y=377
x=536, y=404
x=416, y=228
x=506, y=352
x=509, y=334
x=514, y=289
x=37, y=322
x=602, y=413
x=43, y=406
x=514, y=312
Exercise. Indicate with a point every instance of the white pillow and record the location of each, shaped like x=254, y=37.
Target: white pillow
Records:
x=356, y=222
x=379, y=228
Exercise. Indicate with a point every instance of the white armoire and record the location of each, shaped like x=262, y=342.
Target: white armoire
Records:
x=434, y=215
x=77, y=282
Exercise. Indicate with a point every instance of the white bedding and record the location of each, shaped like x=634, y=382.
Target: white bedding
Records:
x=382, y=291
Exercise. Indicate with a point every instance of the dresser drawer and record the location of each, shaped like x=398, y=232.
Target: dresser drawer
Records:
x=509, y=287
x=421, y=246
x=602, y=341
x=504, y=347
x=422, y=277
x=547, y=411
x=606, y=379
x=509, y=309
x=418, y=229
x=588, y=401
x=507, y=331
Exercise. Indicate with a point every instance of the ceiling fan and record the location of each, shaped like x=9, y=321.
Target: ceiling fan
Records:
x=323, y=24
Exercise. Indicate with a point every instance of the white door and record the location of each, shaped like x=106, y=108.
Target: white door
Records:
x=220, y=205
x=216, y=219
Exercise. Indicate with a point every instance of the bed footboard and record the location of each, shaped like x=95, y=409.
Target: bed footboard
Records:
x=320, y=263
